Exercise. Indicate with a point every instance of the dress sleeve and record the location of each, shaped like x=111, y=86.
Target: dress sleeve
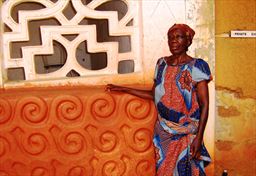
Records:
x=159, y=61
x=201, y=71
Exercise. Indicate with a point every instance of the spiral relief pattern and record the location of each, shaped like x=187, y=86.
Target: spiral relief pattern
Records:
x=72, y=143
x=112, y=136
x=141, y=140
x=77, y=171
x=32, y=109
x=5, y=111
x=2, y=173
x=107, y=141
x=35, y=144
x=103, y=105
x=112, y=168
x=145, y=167
x=4, y=146
x=68, y=108
x=137, y=109
x=40, y=171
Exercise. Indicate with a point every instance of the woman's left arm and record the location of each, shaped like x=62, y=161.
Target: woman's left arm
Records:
x=203, y=98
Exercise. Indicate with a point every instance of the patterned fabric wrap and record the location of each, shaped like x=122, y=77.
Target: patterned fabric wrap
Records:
x=178, y=117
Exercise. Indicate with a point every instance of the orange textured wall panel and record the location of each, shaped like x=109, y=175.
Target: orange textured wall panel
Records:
x=79, y=131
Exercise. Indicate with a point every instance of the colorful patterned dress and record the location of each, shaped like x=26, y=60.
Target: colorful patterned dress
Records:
x=178, y=117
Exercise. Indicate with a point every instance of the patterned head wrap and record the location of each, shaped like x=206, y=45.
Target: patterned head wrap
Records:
x=185, y=28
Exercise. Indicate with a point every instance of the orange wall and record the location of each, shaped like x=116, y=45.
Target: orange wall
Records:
x=235, y=83
x=75, y=131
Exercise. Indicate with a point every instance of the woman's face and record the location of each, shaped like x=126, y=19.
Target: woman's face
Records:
x=178, y=42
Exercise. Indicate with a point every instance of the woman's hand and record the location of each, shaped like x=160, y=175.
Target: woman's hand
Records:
x=112, y=87
x=203, y=98
x=195, y=148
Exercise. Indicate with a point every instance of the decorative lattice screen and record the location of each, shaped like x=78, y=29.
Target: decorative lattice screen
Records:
x=75, y=38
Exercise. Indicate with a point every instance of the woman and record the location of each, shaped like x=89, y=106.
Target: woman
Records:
x=180, y=92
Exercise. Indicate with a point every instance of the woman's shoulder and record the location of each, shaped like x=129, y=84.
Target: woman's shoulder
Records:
x=201, y=66
x=199, y=62
x=161, y=60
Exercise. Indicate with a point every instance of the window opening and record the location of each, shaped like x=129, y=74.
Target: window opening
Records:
x=7, y=28
x=15, y=74
x=73, y=73
x=69, y=11
x=130, y=23
x=90, y=61
x=119, y=6
x=24, y=6
x=126, y=66
x=51, y=62
x=70, y=37
x=85, y=2
x=54, y=0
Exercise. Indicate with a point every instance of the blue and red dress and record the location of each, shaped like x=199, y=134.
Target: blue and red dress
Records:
x=178, y=117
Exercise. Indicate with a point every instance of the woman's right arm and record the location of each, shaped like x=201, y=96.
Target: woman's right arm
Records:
x=145, y=94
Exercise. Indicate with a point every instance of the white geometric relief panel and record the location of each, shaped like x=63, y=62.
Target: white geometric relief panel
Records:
x=54, y=39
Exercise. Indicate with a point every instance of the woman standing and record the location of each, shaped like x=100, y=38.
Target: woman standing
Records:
x=180, y=93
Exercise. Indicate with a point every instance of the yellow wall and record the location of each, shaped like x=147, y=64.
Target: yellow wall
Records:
x=235, y=83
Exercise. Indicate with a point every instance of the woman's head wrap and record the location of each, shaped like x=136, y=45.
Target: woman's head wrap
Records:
x=185, y=28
